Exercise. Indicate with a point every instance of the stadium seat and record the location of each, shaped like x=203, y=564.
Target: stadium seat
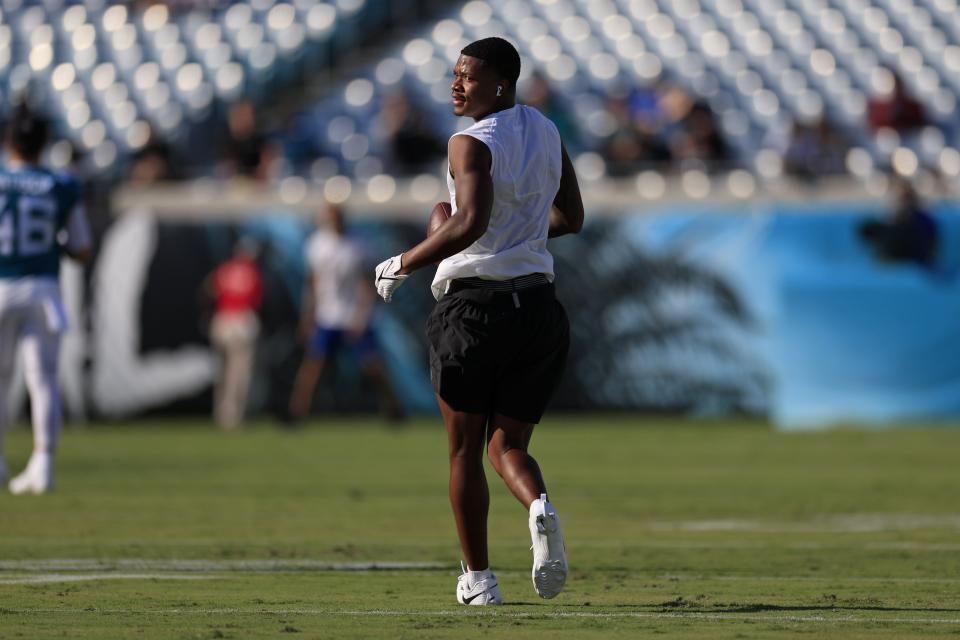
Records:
x=759, y=64
x=113, y=72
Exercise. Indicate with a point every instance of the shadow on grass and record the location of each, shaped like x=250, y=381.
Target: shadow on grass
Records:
x=760, y=607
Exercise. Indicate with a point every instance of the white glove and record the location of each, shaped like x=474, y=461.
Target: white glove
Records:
x=387, y=279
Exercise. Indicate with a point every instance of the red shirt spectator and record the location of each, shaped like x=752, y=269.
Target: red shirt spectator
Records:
x=237, y=286
x=899, y=110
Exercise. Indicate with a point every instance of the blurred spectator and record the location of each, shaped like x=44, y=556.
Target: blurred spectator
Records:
x=414, y=143
x=896, y=109
x=673, y=103
x=152, y=163
x=909, y=235
x=246, y=150
x=815, y=149
x=97, y=186
x=698, y=138
x=301, y=134
x=647, y=107
x=338, y=305
x=631, y=147
x=539, y=95
x=236, y=287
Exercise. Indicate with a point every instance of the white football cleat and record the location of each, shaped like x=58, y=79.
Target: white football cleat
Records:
x=35, y=480
x=482, y=592
x=549, y=555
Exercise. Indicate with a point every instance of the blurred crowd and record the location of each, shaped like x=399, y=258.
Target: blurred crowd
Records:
x=659, y=126
x=656, y=126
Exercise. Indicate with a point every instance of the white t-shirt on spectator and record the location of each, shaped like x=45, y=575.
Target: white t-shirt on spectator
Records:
x=336, y=264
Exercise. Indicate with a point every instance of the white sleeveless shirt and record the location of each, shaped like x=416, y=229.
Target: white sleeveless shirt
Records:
x=526, y=165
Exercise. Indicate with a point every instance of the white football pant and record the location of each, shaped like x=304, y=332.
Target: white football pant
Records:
x=28, y=325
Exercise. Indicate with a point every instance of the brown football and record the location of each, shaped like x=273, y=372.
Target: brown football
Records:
x=441, y=211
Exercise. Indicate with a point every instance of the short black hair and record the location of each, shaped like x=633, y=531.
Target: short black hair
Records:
x=27, y=131
x=499, y=54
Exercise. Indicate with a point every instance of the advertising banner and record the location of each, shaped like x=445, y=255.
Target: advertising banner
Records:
x=787, y=311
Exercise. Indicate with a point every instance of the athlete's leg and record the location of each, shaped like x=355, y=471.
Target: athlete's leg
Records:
x=40, y=347
x=238, y=347
x=373, y=368
x=41, y=351
x=469, y=495
x=237, y=356
x=303, y=387
x=240, y=373
x=507, y=442
x=220, y=339
x=540, y=340
x=9, y=335
x=371, y=364
x=322, y=343
x=507, y=449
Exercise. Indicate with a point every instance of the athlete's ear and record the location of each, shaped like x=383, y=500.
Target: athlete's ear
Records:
x=499, y=90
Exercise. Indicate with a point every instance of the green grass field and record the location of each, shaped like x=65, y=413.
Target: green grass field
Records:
x=674, y=529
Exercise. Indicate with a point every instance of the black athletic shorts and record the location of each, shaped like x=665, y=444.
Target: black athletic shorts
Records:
x=498, y=352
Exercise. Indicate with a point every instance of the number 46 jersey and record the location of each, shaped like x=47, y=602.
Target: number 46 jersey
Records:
x=40, y=212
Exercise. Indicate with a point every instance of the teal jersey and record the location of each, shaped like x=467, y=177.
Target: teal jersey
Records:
x=35, y=204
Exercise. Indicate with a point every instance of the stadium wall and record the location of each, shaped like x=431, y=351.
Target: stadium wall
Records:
x=770, y=309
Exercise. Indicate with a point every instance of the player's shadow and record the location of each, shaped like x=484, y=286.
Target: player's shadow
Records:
x=761, y=607
x=744, y=608
x=589, y=605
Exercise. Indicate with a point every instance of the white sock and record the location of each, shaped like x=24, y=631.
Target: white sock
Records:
x=473, y=577
x=541, y=500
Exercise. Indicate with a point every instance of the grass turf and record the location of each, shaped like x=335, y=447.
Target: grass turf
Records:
x=680, y=529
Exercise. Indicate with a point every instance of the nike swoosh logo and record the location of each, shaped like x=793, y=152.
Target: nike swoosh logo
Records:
x=381, y=275
x=467, y=600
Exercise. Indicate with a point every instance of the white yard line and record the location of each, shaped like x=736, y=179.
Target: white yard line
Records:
x=158, y=568
x=827, y=523
x=46, y=578
x=493, y=613
x=204, y=565
x=837, y=579
x=659, y=615
x=642, y=537
x=807, y=543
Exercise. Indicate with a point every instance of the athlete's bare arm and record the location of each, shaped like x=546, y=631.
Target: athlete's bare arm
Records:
x=566, y=214
x=470, y=163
